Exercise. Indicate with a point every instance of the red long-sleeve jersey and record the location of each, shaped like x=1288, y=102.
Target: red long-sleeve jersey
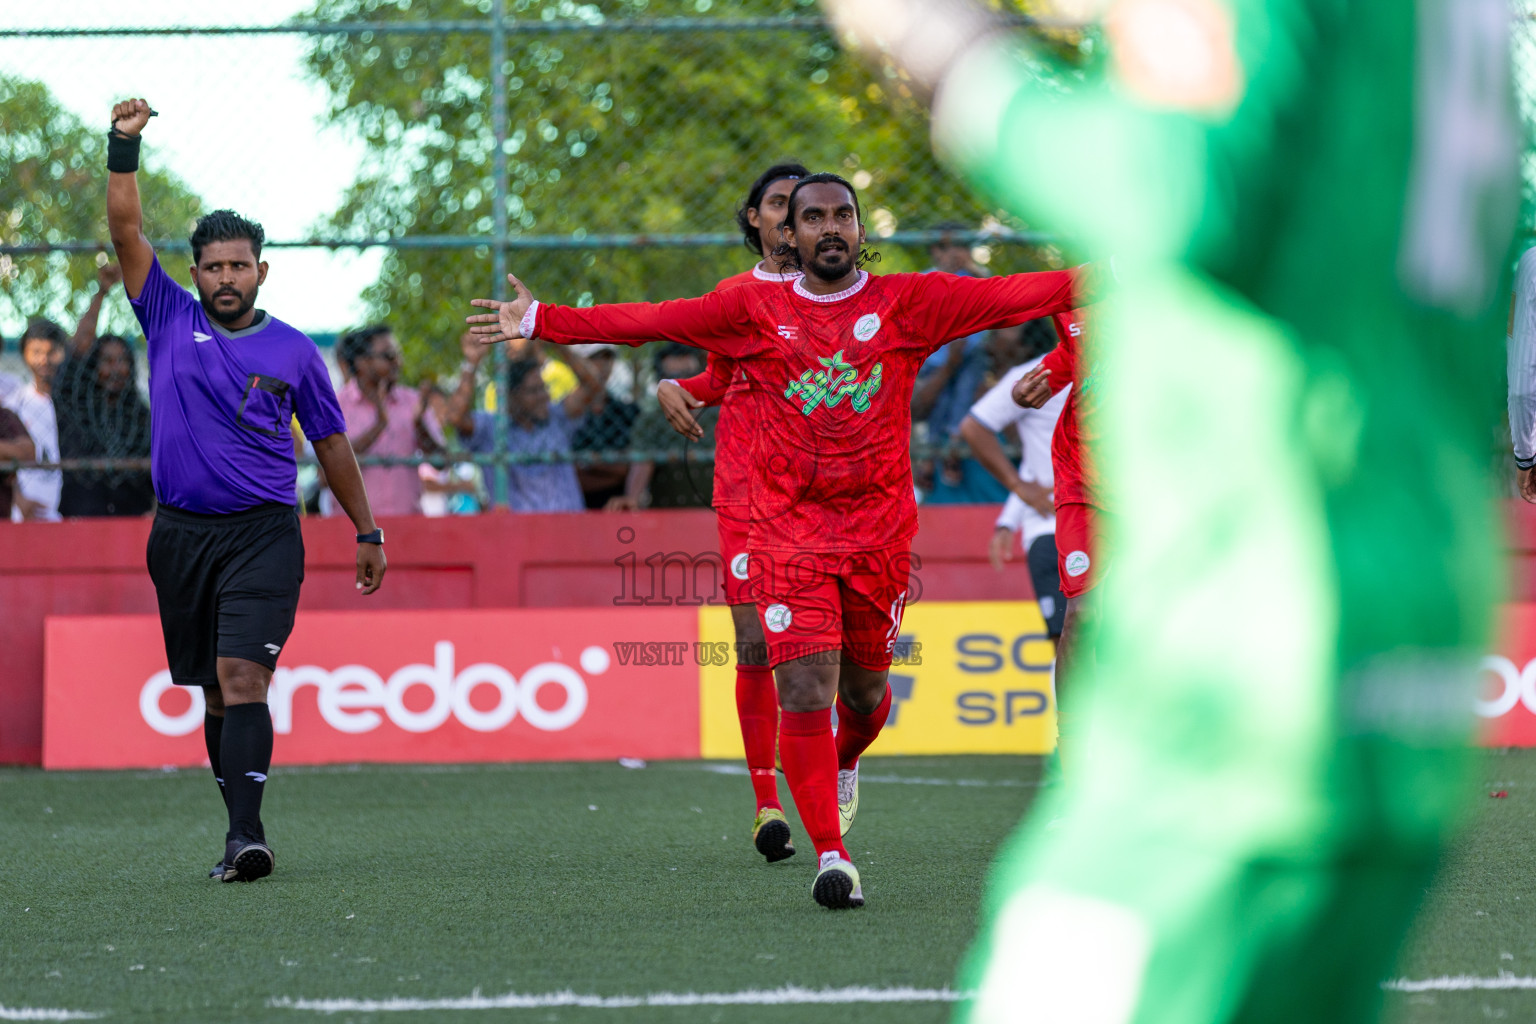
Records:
x=1076, y=479
x=725, y=383
x=831, y=466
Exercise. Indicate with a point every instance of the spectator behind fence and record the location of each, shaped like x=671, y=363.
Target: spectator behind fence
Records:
x=36, y=494
x=687, y=482
x=14, y=444
x=951, y=378
x=43, y=346
x=606, y=429
x=10, y=384
x=457, y=488
x=536, y=428
x=102, y=415
x=384, y=417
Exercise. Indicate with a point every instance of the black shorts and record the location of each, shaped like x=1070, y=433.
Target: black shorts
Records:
x=228, y=586
x=1046, y=576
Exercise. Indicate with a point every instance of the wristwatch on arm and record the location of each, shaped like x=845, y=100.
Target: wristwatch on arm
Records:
x=376, y=537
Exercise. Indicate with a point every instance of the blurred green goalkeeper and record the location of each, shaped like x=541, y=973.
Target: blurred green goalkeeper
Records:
x=1311, y=205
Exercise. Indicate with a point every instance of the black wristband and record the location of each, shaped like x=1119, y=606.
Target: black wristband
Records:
x=373, y=537
x=122, y=152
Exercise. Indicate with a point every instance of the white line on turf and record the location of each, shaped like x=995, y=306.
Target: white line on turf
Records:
x=904, y=780
x=35, y=1013
x=1460, y=983
x=784, y=996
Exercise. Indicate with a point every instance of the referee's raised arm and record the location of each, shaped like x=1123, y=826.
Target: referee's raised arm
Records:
x=125, y=217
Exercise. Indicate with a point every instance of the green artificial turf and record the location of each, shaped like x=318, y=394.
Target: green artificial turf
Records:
x=434, y=882
x=1479, y=918
x=439, y=882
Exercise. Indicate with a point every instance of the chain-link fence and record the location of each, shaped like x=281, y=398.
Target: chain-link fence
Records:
x=405, y=154
x=600, y=151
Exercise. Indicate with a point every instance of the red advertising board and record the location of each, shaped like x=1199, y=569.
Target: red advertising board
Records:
x=412, y=686
x=1508, y=702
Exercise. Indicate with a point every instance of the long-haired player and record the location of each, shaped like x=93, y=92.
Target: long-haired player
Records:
x=757, y=701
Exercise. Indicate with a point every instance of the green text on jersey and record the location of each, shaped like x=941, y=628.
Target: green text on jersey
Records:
x=831, y=384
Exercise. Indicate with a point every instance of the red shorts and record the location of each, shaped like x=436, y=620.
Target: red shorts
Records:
x=810, y=602
x=732, y=522
x=1081, y=557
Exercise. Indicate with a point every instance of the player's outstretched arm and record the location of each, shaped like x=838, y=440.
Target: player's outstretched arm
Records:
x=717, y=322
x=951, y=306
x=339, y=464
x=125, y=217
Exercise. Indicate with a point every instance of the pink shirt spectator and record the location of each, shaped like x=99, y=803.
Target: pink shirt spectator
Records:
x=392, y=490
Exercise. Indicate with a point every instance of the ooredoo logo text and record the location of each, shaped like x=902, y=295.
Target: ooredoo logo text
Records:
x=1516, y=684
x=357, y=699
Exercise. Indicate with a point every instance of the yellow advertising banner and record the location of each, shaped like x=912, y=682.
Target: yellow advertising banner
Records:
x=971, y=677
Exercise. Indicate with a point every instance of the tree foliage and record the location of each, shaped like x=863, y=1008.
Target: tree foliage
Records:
x=53, y=189
x=609, y=132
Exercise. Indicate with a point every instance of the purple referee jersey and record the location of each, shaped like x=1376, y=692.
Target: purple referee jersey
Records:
x=221, y=402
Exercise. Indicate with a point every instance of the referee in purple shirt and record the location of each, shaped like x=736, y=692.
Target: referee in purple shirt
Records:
x=225, y=553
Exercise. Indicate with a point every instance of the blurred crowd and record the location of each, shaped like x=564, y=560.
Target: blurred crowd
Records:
x=579, y=426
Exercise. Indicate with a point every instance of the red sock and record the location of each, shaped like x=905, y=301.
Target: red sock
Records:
x=855, y=732
x=810, y=768
x=757, y=705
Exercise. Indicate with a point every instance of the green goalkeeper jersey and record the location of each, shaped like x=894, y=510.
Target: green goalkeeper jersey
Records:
x=1311, y=205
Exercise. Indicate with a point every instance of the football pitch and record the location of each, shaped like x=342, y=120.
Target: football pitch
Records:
x=585, y=892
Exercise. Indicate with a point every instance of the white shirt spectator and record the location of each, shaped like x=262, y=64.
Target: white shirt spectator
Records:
x=1521, y=345
x=995, y=410
x=39, y=485
x=10, y=387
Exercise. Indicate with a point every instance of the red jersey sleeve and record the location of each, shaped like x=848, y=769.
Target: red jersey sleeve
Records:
x=710, y=386
x=1061, y=361
x=951, y=306
x=717, y=322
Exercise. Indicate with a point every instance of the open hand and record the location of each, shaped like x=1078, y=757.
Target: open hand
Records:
x=506, y=322
x=130, y=116
x=1033, y=389
x=678, y=405
x=1526, y=478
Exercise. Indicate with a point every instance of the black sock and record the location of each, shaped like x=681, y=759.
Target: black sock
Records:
x=213, y=733
x=246, y=757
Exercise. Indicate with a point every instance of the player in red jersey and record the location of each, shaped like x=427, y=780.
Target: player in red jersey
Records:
x=836, y=353
x=1081, y=556
x=723, y=383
